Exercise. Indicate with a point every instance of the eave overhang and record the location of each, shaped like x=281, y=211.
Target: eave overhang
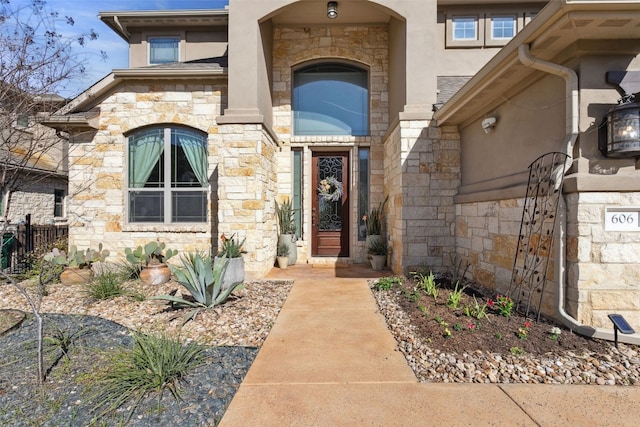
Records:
x=123, y=21
x=559, y=26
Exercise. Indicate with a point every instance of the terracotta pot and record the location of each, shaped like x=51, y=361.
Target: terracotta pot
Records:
x=155, y=274
x=75, y=275
x=234, y=273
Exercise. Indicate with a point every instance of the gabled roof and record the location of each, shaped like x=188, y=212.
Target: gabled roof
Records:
x=206, y=68
x=559, y=25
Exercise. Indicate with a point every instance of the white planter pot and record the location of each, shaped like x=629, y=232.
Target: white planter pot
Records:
x=283, y=261
x=290, y=240
x=234, y=273
x=377, y=262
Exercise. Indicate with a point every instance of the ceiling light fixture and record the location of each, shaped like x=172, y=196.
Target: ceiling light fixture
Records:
x=332, y=10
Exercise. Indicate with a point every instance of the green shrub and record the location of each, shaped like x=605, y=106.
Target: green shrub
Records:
x=155, y=364
x=105, y=286
x=455, y=296
x=203, y=281
x=386, y=283
x=427, y=284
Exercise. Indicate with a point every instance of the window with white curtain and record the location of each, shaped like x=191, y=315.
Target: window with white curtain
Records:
x=167, y=176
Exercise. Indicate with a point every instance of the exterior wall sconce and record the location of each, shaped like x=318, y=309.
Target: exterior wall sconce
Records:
x=332, y=10
x=623, y=129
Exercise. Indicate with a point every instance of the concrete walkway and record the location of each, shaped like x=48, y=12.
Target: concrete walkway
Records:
x=330, y=361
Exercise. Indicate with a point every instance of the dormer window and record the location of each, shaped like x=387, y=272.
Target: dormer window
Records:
x=503, y=27
x=163, y=50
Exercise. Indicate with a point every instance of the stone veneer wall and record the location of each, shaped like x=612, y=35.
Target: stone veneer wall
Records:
x=487, y=238
x=603, y=266
x=247, y=178
x=422, y=175
x=36, y=198
x=367, y=45
x=97, y=171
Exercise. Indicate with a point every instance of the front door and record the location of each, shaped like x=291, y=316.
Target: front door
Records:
x=330, y=212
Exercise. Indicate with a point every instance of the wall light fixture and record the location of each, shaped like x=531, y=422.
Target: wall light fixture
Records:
x=332, y=10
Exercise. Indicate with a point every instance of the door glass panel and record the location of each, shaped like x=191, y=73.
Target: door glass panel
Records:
x=330, y=194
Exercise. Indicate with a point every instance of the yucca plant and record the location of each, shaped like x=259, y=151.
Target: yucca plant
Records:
x=203, y=280
x=155, y=364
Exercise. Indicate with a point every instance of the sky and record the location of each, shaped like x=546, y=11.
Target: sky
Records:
x=85, y=15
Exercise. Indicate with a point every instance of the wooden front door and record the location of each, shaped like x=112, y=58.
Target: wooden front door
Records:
x=330, y=212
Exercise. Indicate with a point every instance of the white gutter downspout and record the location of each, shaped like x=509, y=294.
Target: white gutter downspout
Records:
x=571, y=79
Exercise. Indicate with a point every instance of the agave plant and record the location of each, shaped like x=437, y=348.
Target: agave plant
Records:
x=203, y=281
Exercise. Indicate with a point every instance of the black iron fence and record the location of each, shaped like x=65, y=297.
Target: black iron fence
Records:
x=25, y=242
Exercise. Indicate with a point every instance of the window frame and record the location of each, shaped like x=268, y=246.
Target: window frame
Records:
x=355, y=67
x=59, y=197
x=166, y=188
x=489, y=28
x=151, y=39
x=451, y=41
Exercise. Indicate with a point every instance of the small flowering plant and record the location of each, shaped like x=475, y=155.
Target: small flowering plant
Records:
x=502, y=304
x=230, y=247
x=555, y=333
x=523, y=331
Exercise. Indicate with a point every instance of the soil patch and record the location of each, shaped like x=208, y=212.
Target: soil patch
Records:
x=462, y=329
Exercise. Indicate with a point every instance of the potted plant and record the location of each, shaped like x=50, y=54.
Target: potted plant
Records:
x=151, y=258
x=374, y=222
x=287, y=226
x=231, y=249
x=378, y=251
x=283, y=255
x=77, y=263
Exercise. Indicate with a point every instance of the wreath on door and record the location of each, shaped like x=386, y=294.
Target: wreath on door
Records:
x=330, y=189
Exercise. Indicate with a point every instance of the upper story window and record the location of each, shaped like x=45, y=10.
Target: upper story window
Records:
x=465, y=27
x=163, y=50
x=167, y=176
x=22, y=121
x=331, y=99
x=503, y=27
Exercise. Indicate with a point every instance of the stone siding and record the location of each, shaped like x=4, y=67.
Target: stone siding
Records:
x=603, y=266
x=422, y=175
x=35, y=198
x=247, y=176
x=364, y=45
x=97, y=171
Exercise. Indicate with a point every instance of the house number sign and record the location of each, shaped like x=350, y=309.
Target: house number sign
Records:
x=622, y=218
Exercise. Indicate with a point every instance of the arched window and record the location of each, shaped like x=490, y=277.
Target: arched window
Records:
x=330, y=99
x=167, y=175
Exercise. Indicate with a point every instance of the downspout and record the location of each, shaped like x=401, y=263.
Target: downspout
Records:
x=572, y=129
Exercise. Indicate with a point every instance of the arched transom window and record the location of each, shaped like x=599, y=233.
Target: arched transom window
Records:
x=330, y=99
x=167, y=175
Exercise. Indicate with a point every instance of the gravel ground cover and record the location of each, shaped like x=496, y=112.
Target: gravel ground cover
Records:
x=478, y=356
x=232, y=333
